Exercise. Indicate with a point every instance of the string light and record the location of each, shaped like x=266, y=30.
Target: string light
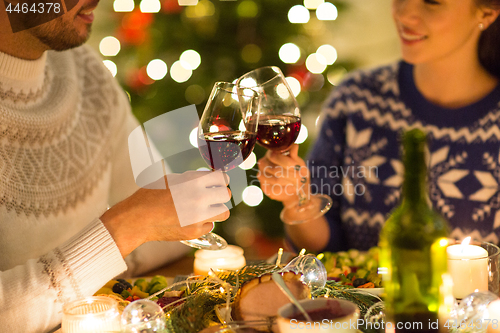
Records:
x=109, y=46
x=252, y=196
x=312, y=4
x=179, y=73
x=329, y=52
x=294, y=85
x=316, y=63
x=150, y=6
x=289, y=53
x=298, y=14
x=193, y=137
x=191, y=59
x=326, y=12
x=156, y=69
x=111, y=66
x=250, y=162
x=123, y=5
x=187, y=2
x=303, y=134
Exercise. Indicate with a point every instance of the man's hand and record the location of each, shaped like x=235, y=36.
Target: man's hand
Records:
x=186, y=209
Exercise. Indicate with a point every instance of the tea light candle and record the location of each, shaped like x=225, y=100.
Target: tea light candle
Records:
x=468, y=267
x=96, y=314
x=494, y=313
x=230, y=258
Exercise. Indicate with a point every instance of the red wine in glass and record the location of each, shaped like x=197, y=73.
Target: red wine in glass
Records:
x=226, y=150
x=278, y=132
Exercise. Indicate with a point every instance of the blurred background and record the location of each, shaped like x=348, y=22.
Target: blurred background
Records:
x=167, y=54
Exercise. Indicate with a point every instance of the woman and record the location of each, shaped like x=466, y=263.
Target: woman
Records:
x=446, y=84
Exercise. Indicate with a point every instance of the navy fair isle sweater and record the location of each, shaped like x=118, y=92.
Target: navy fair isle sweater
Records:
x=356, y=158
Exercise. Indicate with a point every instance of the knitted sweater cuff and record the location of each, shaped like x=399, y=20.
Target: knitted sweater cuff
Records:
x=92, y=258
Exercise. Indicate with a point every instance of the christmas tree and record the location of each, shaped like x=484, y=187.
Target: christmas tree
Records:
x=168, y=54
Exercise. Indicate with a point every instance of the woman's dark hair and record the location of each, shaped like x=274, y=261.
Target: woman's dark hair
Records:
x=489, y=41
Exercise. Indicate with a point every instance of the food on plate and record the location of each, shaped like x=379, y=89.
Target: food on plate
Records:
x=260, y=298
x=128, y=291
x=353, y=267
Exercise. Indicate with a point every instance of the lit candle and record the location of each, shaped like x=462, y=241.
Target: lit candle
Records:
x=230, y=258
x=494, y=313
x=468, y=267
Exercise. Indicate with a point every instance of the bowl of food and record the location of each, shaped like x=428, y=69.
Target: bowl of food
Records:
x=355, y=269
x=327, y=314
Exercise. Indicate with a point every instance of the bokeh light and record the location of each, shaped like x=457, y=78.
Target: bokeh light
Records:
x=123, y=6
x=335, y=75
x=187, y=2
x=252, y=196
x=179, y=73
x=251, y=53
x=109, y=46
x=327, y=12
x=298, y=14
x=289, y=53
x=316, y=63
x=244, y=236
x=303, y=134
x=294, y=85
x=157, y=69
x=192, y=58
x=204, y=8
x=312, y=4
x=150, y=6
x=329, y=52
x=282, y=91
x=195, y=94
x=111, y=66
x=193, y=137
x=247, y=8
x=250, y=162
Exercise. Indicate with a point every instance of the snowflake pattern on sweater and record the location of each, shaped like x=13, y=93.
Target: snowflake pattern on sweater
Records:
x=356, y=158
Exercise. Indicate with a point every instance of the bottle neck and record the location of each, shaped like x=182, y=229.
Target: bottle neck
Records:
x=415, y=178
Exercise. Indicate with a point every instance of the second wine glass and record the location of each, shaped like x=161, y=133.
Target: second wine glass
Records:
x=279, y=127
x=226, y=136
x=279, y=114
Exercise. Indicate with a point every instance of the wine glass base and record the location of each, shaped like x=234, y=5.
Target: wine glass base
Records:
x=316, y=206
x=209, y=241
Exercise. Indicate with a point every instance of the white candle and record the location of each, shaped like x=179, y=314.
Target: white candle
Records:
x=494, y=313
x=229, y=258
x=468, y=267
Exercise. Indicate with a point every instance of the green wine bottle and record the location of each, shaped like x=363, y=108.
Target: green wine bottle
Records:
x=413, y=248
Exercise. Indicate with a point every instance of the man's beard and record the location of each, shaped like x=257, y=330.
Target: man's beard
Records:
x=60, y=35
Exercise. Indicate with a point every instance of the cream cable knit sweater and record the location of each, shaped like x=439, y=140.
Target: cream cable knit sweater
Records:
x=64, y=124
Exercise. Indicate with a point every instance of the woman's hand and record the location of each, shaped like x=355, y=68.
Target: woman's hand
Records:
x=283, y=176
x=176, y=207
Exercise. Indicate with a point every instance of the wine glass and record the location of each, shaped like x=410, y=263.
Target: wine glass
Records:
x=279, y=126
x=226, y=136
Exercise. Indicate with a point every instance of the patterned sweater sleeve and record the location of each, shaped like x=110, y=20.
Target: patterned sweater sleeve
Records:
x=325, y=160
x=33, y=294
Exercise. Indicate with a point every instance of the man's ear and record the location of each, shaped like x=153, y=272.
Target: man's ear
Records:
x=487, y=16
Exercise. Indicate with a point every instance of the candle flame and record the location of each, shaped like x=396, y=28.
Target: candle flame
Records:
x=466, y=241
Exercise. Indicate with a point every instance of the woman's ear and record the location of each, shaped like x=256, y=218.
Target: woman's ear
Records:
x=487, y=16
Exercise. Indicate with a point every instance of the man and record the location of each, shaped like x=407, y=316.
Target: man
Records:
x=64, y=123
